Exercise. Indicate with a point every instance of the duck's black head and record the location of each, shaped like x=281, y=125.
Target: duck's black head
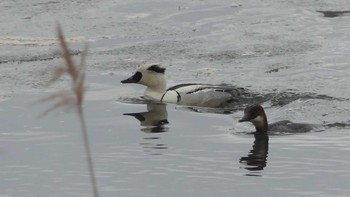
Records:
x=256, y=115
x=251, y=112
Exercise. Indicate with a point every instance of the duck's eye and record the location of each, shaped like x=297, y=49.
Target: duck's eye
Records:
x=137, y=77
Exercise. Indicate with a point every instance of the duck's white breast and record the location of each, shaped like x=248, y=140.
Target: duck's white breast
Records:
x=170, y=96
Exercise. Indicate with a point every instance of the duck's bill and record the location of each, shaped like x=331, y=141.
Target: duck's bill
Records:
x=244, y=119
x=129, y=80
x=133, y=79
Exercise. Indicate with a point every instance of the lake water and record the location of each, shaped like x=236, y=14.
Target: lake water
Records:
x=267, y=47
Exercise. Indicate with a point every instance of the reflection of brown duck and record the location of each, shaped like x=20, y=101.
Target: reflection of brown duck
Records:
x=154, y=119
x=256, y=160
x=256, y=115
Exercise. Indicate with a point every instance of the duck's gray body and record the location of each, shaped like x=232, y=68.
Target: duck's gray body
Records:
x=256, y=115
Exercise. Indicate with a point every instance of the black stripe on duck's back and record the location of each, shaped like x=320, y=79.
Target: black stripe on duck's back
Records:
x=228, y=89
x=183, y=85
x=217, y=88
x=198, y=89
x=195, y=89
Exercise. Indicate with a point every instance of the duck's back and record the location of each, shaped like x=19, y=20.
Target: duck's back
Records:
x=286, y=126
x=201, y=94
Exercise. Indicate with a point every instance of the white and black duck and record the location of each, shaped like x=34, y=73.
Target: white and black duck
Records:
x=191, y=94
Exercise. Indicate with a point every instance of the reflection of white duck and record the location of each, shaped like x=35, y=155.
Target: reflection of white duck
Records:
x=192, y=94
x=256, y=115
x=154, y=119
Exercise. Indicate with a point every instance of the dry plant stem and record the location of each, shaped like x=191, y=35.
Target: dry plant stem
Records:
x=77, y=74
x=87, y=150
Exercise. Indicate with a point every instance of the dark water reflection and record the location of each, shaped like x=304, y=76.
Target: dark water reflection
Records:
x=155, y=119
x=256, y=160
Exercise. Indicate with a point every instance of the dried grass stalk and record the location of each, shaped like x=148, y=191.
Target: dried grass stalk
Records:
x=73, y=97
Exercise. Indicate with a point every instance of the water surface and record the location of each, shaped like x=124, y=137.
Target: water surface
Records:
x=268, y=47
